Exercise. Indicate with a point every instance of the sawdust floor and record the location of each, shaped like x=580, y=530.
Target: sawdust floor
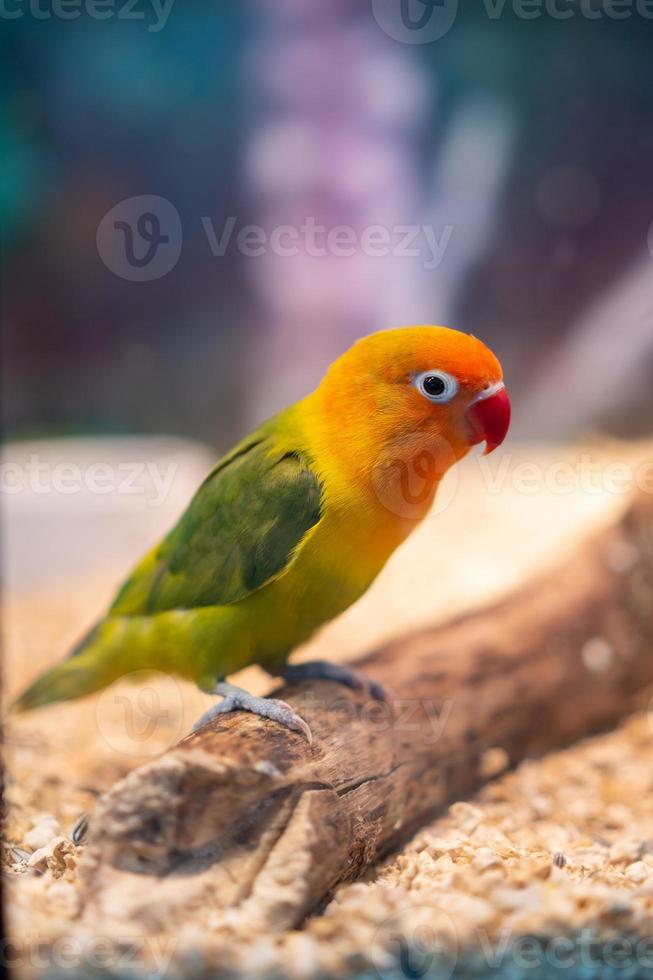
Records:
x=560, y=850
x=548, y=870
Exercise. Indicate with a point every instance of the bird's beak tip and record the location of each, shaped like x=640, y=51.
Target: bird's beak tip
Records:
x=489, y=418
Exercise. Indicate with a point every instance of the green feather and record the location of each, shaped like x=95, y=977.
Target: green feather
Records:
x=239, y=532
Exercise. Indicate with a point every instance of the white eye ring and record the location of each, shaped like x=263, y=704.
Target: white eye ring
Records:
x=437, y=386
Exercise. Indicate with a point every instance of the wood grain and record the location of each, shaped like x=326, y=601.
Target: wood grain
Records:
x=249, y=818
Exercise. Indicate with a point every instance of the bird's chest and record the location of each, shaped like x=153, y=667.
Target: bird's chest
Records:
x=338, y=561
x=346, y=552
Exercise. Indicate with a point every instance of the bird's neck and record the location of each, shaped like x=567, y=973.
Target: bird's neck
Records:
x=390, y=484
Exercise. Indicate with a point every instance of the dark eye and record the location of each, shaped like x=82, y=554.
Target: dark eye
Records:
x=434, y=385
x=437, y=386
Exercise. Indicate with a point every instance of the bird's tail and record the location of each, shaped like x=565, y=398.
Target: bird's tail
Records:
x=115, y=647
x=198, y=644
x=90, y=666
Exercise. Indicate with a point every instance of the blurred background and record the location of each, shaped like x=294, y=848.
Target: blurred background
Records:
x=203, y=204
x=491, y=168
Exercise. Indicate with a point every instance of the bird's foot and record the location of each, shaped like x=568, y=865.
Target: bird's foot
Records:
x=325, y=671
x=236, y=699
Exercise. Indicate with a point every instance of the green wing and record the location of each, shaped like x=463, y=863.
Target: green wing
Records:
x=239, y=532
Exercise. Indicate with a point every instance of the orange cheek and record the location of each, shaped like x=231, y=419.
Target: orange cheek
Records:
x=446, y=424
x=429, y=418
x=420, y=412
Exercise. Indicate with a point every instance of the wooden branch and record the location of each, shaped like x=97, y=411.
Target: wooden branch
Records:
x=249, y=818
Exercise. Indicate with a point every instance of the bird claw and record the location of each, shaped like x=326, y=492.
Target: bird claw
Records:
x=235, y=699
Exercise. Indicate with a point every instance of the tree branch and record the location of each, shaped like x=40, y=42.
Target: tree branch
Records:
x=248, y=817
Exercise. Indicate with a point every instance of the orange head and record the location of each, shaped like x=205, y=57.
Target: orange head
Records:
x=404, y=392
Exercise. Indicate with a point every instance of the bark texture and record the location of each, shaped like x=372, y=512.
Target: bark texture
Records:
x=248, y=817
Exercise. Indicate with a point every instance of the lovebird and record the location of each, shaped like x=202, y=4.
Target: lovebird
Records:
x=295, y=523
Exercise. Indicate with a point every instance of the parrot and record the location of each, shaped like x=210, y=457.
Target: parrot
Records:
x=293, y=525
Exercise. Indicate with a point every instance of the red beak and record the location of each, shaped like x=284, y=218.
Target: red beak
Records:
x=489, y=418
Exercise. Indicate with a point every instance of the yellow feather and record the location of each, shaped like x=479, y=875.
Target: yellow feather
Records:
x=379, y=450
